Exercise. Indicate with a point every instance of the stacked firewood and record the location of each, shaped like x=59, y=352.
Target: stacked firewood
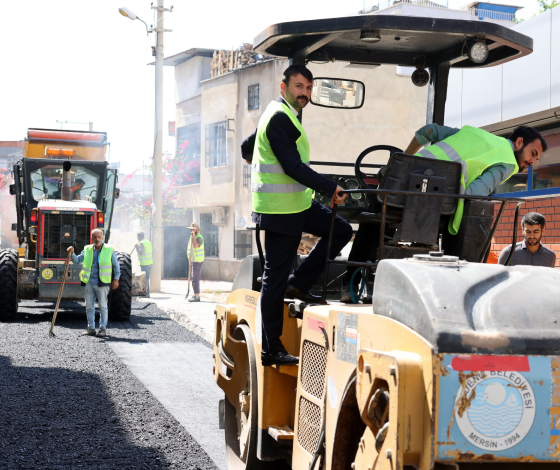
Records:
x=227, y=61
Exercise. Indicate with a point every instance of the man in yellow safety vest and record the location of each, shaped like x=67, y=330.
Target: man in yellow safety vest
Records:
x=99, y=263
x=196, y=242
x=144, y=250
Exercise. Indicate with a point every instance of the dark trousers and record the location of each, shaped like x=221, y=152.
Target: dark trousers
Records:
x=196, y=272
x=365, y=241
x=280, y=252
x=147, y=270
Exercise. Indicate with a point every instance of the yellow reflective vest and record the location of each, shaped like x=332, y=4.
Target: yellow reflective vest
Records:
x=105, y=264
x=198, y=252
x=146, y=259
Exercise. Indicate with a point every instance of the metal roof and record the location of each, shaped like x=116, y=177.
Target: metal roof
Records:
x=181, y=57
x=405, y=40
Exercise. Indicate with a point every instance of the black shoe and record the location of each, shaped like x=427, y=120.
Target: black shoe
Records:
x=280, y=358
x=294, y=293
x=346, y=295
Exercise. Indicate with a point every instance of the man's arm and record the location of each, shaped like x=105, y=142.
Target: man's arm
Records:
x=427, y=134
x=248, y=146
x=77, y=259
x=282, y=135
x=116, y=271
x=140, y=248
x=195, y=242
x=504, y=255
x=487, y=183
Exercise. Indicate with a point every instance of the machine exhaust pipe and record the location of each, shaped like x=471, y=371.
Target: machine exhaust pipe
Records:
x=66, y=181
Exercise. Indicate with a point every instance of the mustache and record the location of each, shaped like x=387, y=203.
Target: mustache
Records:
x=302, y=97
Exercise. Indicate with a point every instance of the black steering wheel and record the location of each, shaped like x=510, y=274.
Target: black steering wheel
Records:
x=359, y=174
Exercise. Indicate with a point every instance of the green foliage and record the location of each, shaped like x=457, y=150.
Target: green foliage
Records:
x=547, y=5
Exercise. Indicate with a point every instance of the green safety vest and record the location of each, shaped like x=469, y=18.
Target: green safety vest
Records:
x=198, y=252
x=146, y=259
x=476, y=150
x=105, y=264
x=273, y=191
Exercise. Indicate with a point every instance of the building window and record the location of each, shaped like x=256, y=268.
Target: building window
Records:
x=188, y=152
x=253, y=101
x=543, y=177
x=242, y=243
x=216, y=154
x=247, y=176
x=211, y=235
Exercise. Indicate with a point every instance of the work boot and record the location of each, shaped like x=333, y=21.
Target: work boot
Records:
x=346, y=295
x=294, y=293
x=194, y=298
x=280, y=358
x=102, y=333
x=89, y=332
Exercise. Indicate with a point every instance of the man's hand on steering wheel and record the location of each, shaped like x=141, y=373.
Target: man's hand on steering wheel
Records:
x=338, y=198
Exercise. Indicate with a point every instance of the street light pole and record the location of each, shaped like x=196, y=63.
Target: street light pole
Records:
x=157, y=228
x=157, y=199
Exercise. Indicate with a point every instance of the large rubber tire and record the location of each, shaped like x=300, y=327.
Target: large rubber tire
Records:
x=120, y=301
x=246, y=366
x=8, y=284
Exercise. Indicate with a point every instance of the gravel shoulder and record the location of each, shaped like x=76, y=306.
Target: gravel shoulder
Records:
x=69, y=402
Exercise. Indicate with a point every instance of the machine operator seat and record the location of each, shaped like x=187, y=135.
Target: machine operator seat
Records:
x=415, y=220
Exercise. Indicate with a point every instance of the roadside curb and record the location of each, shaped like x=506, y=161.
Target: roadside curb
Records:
x=184, y=321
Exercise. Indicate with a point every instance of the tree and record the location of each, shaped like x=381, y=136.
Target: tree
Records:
x=547, y=5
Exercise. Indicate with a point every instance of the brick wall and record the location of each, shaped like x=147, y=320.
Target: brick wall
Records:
x=549, y=208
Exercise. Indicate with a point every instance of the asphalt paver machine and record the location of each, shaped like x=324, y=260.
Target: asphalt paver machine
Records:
x=63, y=189
x=455, y=365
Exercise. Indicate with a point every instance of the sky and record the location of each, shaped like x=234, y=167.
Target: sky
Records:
x=81, y=61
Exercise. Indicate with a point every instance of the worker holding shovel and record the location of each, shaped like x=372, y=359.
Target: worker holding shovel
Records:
x=196, y=257
x=99, y=262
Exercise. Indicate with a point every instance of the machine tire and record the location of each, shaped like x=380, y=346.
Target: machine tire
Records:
x=234, y=459
x=8, y=284
x=120, y=300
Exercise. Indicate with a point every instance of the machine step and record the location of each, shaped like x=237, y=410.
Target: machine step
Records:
x=281, y=433
x=288, y=370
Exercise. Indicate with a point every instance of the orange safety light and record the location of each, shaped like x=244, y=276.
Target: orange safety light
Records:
x=68, y=152
x=100, y=219
x=53, y=152
x=33, y=217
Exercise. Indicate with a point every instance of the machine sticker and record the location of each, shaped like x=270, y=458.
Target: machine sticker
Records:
x=347, y=337
x=331, y=389
x=315, y=325
x=501, y=410
x=47, y=274
x=497, y=405
x=258, y=321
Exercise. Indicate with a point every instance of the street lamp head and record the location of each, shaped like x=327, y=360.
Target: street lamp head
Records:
x=126, y=12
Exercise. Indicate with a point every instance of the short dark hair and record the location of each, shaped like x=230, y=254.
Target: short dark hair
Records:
x=294, y=70
x=80, y=181
x=533, y=218
x=140, y=234
x=529, y=135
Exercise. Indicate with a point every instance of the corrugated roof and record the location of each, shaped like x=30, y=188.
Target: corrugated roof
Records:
x=181, y=57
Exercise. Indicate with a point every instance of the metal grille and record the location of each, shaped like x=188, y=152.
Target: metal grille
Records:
x=53, y=247
x=253, y=97
x=309, y=425
x=313, y=369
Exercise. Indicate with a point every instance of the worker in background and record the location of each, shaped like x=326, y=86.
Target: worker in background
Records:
x=487, y=161
x=196, y=241
x=530, y=251
x=79, y=184
x=282, y=185
x=99, y=262
x=145, y=258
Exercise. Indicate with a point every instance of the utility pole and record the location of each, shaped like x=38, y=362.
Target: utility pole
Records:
x=157, y=199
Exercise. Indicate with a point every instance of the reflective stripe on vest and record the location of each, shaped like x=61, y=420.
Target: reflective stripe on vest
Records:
x=197, y=252
x=105, y=264
x=268, y=177
x=476, y=150
x=146, y=259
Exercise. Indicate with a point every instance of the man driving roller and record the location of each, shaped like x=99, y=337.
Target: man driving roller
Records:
x=282, y=185
x=487, y=161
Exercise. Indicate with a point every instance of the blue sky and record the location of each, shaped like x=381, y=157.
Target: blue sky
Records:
x=82, y=61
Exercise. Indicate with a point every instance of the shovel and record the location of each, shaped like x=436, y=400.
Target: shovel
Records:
x=60, y=294
x=190, y=275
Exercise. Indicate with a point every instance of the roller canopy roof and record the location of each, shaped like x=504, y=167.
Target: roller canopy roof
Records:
x=405, y=40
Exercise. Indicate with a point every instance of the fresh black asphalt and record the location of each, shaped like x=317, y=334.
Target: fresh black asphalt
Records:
x=69, y=402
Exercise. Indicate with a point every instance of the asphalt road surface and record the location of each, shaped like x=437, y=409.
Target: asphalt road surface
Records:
x=143, y=398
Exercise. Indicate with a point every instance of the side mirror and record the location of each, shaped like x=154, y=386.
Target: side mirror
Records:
x=12, y=190
x=117, y=193
x=338, y=93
